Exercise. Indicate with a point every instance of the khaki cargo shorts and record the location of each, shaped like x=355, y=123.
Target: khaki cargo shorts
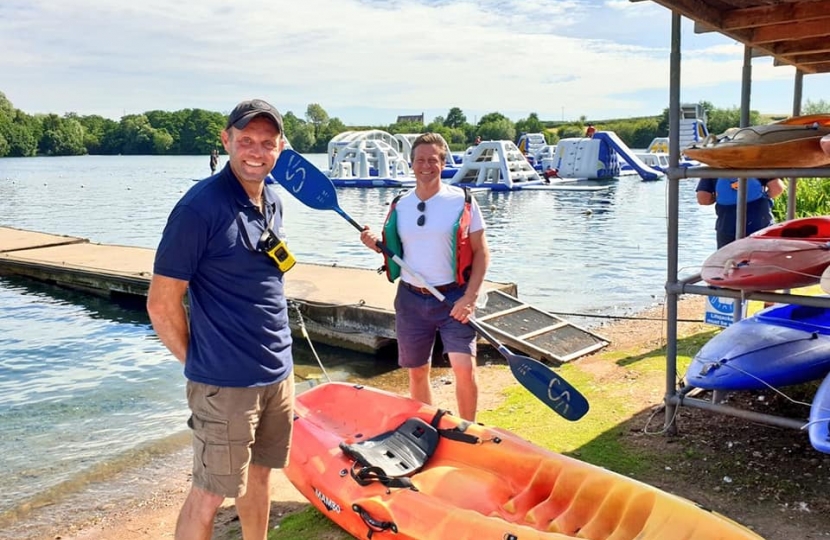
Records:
x=234, y=427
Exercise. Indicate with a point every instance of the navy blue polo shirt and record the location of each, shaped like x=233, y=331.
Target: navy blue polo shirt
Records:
x=239, y=334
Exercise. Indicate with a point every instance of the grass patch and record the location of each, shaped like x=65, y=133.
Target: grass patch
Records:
x=307, y=524
x=594, y=438
x=655, y=360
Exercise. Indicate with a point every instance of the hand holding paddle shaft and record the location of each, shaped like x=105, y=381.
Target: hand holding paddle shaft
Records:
x=314, y=189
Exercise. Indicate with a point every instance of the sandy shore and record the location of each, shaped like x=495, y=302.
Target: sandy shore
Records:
x=141, y=503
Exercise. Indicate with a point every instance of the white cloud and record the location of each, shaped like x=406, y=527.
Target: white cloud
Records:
x=365, y=58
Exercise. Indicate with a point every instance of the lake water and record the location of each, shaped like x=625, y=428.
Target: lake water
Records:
x=85, y=384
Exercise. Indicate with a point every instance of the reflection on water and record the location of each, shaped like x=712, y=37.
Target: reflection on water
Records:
x=84, y=381
x=81, y=381
x=87, y=389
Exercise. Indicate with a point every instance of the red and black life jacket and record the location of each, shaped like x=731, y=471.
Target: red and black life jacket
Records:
x=463, y=260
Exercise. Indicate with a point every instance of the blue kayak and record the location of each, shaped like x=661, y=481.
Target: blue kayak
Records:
x=820, y=418
x=778, y=346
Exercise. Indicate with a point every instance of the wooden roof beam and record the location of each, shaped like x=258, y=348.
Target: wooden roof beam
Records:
x=812, y=58
x=694, y=10
x=784, y=12
x=744, y=36
x=789, y=31
x=816, y=68
x=801, y=46
x=812, y=69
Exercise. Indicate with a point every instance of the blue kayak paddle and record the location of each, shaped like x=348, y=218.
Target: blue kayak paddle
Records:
x=314, y=189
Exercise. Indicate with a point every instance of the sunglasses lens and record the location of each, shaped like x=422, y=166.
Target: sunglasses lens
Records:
x=421, y=220
x=422, y=206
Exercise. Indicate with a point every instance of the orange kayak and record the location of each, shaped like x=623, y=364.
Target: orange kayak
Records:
x=774, y=145
x=821, y=119
x=385, y=466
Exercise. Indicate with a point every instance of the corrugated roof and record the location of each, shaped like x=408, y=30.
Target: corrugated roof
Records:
x=793, y=32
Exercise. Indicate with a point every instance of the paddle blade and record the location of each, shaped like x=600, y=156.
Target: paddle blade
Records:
x=547, y=386
x=305, y=181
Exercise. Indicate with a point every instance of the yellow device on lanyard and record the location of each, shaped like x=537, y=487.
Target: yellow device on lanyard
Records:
x=278, y=251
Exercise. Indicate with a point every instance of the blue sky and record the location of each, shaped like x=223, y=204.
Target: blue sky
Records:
x=366, y=61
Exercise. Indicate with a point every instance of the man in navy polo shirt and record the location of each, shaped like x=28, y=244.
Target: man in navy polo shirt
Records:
x=236, y=346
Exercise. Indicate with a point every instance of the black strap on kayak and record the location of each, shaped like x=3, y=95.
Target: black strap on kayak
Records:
x=456, y=433
x=367, y=475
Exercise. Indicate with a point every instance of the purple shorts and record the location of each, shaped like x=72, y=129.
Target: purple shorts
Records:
x=418, y=317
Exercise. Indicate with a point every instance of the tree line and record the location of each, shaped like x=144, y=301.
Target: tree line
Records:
x=197, y=131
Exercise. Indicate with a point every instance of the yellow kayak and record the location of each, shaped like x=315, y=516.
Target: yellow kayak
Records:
x=385, y=466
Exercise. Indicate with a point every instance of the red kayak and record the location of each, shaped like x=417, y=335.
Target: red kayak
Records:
x=783, y=256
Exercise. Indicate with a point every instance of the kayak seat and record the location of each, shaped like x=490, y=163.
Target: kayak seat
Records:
x=804, y=231
x=393, y=455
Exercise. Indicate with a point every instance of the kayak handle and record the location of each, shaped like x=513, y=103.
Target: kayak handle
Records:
x=375, y=525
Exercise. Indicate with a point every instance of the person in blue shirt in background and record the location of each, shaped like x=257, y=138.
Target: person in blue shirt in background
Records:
x=723, y=193
x=235, y=345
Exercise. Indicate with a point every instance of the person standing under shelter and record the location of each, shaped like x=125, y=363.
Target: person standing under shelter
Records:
x=438, y=231
x=723, y=193
x=236, y=345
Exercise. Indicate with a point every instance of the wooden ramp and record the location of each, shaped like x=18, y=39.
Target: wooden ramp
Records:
x=535, y=332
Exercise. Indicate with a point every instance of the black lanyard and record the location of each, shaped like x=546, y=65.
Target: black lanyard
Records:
x=265, y=233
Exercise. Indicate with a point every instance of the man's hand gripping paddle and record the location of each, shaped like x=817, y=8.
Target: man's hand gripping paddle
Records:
x=314, y=189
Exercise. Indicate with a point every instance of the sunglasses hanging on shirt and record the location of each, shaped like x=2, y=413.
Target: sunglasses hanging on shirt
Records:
x=270, y=244
x=422, y=206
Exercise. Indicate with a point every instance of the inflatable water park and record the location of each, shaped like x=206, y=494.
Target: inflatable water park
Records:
x=376, y=158
x=370, y=158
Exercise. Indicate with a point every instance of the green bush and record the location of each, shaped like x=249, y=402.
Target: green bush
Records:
x=812, y=198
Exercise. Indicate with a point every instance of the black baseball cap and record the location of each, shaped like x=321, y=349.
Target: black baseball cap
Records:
x=250, y=109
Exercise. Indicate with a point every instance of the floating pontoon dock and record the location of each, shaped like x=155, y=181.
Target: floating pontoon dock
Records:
x=359, y=316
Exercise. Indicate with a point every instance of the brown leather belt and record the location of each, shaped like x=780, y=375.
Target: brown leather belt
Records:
x=424, y=291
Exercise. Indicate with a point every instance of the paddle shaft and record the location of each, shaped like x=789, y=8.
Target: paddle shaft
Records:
x=314, y=189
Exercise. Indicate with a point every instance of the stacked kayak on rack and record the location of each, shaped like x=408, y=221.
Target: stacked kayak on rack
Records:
x=787, y=255
x=385, y=466
x=819, y=426
x=778, y=346
x=794, y=142
x=782, y=345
